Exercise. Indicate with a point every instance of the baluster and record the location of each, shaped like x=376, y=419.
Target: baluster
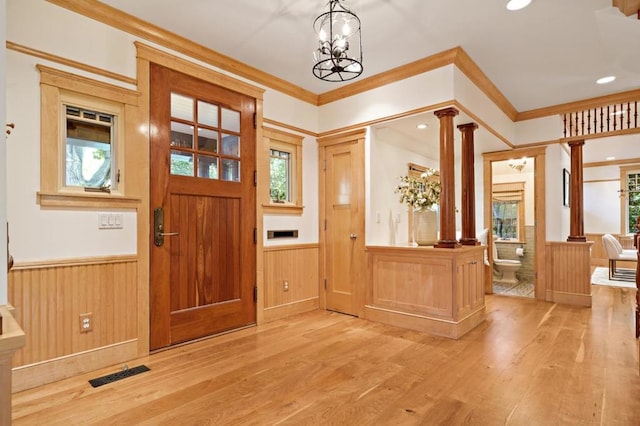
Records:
x=615, y=116
x=621, y=116
x=628, y=115
x=564, y=121
x=577, y=128
x=635, y=114
x=588, y=121
x=601, y=119
x=582, y=122
x=608, y=118
x=570, y=124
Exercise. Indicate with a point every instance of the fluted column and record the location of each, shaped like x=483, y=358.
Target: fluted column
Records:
x=447, y=180
x=468, y=186
x=576, y=230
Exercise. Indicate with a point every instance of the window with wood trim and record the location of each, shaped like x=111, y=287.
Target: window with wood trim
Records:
x=508, y=211
x=82, y=141
x=630, y=198
x=285, y=171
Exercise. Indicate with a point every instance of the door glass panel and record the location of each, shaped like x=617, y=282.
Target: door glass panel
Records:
x=181, y=163
x=207, y=167
x=181, y=135
x=231, y=145
x=207, y=140
x=231, y=120
x=207, y=114
x=230, y=170
x=181, y=107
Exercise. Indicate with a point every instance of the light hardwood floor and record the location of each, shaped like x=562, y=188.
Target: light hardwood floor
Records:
x=529, y=363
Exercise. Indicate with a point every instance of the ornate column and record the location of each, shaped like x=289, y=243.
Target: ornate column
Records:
x=468, y=186
x=576, y=230
x=447, y=180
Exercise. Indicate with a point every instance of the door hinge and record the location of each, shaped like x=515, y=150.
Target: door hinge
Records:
x=255, y=294
x=255, y=120
x=255, y=235
x=325, y=283
x=255, y=178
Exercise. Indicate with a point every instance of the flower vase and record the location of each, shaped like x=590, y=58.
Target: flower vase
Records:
x=425, y=227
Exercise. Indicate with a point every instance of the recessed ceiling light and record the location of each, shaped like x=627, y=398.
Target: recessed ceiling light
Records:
x=605, y=80
x=421, y=126
x=611, y=158
x=517, y=4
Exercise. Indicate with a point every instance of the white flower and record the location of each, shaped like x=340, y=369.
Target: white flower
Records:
x=419, y=193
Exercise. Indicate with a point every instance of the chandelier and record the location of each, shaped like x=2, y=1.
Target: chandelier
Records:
x=518, y=164
x=339, y=53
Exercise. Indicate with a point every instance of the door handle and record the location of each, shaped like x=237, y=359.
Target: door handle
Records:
x=353, y=236
x=158, y=227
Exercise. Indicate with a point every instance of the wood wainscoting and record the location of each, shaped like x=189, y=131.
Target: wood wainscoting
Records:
x=568, y=270
x=297, y=266
x=438, y=291
x=49, y=298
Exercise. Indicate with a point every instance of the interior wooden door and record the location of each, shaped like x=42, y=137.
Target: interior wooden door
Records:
x=344, y=233
x=202, y=195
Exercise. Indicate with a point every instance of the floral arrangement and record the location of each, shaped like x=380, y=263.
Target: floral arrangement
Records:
x=419, y=193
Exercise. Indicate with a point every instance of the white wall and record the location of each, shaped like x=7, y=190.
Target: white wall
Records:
x=3, y=163
x=557, y=216
x=502, y=173
x=602, y=200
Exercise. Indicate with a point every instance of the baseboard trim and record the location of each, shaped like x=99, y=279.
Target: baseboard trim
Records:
x=33, y=375
x=282, y=311
x=574, y=299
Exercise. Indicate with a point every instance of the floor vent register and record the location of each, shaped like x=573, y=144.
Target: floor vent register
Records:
x=124, y=373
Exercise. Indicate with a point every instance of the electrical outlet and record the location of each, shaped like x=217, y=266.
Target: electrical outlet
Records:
x=285, y=286
x=86, y=322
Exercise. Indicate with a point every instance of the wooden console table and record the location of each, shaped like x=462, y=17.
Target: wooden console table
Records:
x=435, y=290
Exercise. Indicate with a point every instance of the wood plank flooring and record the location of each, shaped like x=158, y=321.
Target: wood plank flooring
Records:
x=529, y=363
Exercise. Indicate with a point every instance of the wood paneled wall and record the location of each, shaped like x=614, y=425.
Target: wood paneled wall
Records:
x=297, y=265
x=49, y=299
x=568, y=270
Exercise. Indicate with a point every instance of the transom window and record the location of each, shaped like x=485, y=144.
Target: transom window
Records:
x=205, y=139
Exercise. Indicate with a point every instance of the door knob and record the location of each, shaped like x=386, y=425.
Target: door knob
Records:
x=353, y=236
x=158, y=227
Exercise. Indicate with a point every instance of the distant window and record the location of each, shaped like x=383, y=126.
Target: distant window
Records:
x=633, y=200
x=508, y=210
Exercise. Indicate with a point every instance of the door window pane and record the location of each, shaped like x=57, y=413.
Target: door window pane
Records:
x=230, y=170
x=181, y=135
x=207, y=167
x=207, y=140
x=181, y=163
x=230, y=120
x=231, y=145
x=89, y=146
x=181, y=107
x=207, y=114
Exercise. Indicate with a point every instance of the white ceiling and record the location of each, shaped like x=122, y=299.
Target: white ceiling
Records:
x=546, y=54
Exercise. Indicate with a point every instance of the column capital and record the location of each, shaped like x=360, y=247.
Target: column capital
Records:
x=578, y=142
x=468, y=126
x=451, y=111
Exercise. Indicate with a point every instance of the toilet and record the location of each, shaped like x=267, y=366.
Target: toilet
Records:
x=506, y=268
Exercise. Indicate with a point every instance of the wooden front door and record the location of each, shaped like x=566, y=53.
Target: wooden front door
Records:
x=203, y=216
x=344, y=226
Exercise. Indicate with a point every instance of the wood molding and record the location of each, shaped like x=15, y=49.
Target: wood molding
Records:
x=117, y=19
x=601, y=180
x=289, y=127
x=342, y=137
x=77, y=261
x=69, y=62
x=484, y=125
x=627, y=7
x=612, y=162
x=292, y=247
x=86, y=201
x=283, y=311
x=628, y=96
x=77, y=83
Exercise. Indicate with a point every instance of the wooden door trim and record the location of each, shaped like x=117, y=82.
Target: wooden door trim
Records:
x=539, y=153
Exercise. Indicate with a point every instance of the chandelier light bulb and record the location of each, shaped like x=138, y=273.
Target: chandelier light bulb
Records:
x=322, y=35
x=346, y=29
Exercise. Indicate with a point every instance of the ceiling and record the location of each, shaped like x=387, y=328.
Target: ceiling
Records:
x=546, y=54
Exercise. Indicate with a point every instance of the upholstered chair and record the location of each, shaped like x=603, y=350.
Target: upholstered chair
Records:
x=615, y=252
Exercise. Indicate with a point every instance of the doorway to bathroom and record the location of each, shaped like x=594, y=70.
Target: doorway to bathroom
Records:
x=513, y=216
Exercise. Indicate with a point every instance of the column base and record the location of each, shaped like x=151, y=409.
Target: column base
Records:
x=450, y=244
x=469, y=242
x=577, y=239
